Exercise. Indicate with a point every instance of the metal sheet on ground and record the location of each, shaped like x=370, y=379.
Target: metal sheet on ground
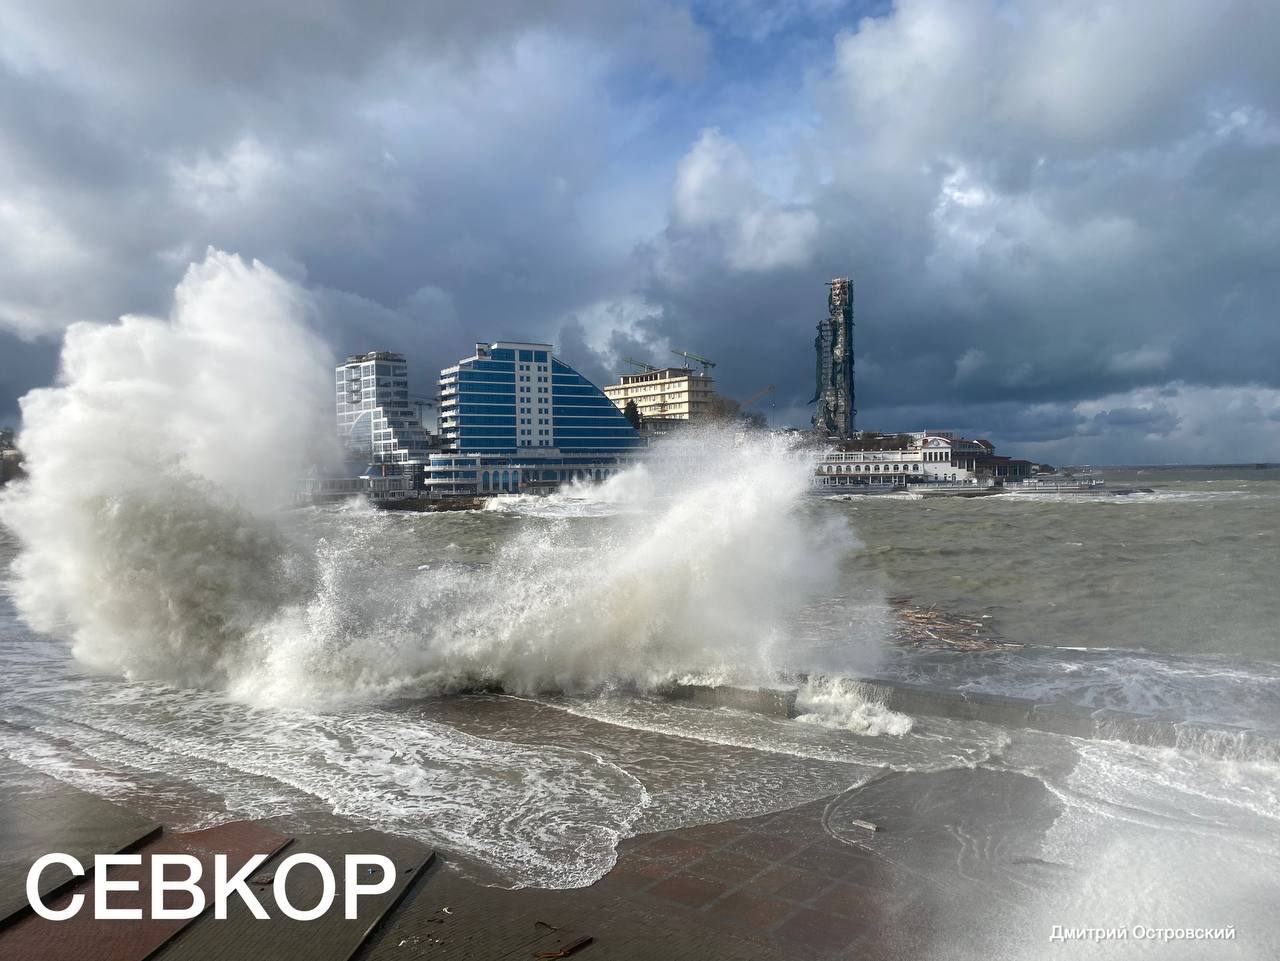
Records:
x=83, y=936
x=52, y=816
x=241, y=937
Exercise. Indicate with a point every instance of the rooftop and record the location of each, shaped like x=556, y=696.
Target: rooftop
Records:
x=664, y=373
x=376, y=355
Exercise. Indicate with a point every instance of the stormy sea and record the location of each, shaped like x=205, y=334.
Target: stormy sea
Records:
x=499, y=683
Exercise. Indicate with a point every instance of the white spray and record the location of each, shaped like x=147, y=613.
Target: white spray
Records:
x=148, y=465
x=147, y=535
x=702, y=561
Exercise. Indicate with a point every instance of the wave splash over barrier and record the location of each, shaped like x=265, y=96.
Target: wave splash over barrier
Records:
x=150, y=462
x=148, y=534
x=700, y=570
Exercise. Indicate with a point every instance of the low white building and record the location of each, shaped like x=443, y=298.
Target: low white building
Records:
x=931, y=457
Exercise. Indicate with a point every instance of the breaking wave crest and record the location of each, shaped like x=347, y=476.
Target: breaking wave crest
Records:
x=844, y=704
x=148, y=535
x=151, y=464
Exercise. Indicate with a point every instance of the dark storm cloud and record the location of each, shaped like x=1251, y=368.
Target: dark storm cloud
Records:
x=1158, y=420
x=23, y=367
x=1061, y=218
x=371, y=148
x=1040, y=206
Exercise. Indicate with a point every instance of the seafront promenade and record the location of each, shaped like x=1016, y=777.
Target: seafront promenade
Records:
x=802, y=883
x=789, y=884
x=776, y=886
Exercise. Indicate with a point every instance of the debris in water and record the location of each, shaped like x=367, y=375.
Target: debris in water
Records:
x=928, y=627
x=567, y=950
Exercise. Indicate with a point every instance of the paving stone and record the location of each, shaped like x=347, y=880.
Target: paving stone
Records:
x=765, y=846
x=833, y=859
x=331, y=937
x=637, y=871
x=791, y=883
x=494, y=924
x=727, y=866
x=714, y=835
x=689, y=889
x=52, y=816
x=675, y=848
x=822, y=931
x=753, y=911
x=856, y=901
x=84, y=936
x=790, y=825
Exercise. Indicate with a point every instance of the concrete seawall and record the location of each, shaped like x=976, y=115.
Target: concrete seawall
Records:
x=769, y=701
x=1021, y=713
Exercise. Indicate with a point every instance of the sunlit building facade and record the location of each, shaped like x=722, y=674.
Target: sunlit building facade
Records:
x=515, y=418
x=376, y=420
x=667, y=394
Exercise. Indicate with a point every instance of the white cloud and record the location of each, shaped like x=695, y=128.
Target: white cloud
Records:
x=970, y=364
x=240, y=176
x=716, y=191
x=1039, y=203
x=1143, y=359
x=617, y=315
x=988, y=78
x=1177, y=423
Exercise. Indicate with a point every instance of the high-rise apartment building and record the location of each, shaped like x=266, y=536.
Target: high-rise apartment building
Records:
x=836, y=414
x=515, y=417
x=513, y=397
x=376, y=421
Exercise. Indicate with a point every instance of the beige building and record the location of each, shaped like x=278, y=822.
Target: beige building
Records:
x=672, y=393
x=10, y=465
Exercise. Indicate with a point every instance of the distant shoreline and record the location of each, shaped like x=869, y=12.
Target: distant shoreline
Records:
x=1244, y=465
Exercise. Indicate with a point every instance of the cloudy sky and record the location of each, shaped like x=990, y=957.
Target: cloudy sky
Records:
x=1062, y=217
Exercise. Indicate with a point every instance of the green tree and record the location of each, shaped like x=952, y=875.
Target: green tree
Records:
x=632, y=414
x=722, y=408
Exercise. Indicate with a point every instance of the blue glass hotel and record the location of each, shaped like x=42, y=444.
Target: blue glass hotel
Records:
x=517, y=419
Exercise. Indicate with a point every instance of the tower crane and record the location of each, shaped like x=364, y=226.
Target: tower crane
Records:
x=422, y=403
x=638, y=364
x=706, y=364
x=758, y=394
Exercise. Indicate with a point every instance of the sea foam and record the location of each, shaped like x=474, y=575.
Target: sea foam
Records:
x=148, y=533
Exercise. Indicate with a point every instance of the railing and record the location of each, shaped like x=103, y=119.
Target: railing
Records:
x=1062, y=484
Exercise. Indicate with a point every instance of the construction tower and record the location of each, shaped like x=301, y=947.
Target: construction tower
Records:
x=835, y=415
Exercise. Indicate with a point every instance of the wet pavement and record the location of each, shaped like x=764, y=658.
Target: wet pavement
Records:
x=809, y=883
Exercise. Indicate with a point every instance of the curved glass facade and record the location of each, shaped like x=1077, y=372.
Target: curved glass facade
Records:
x=528, y=420
x=518, y=397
